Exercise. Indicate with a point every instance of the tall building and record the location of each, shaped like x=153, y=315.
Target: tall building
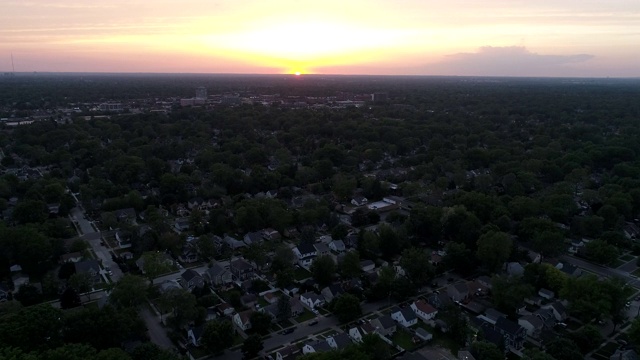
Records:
x=201, y=93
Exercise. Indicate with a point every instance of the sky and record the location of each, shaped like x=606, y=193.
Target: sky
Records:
x=553, y=38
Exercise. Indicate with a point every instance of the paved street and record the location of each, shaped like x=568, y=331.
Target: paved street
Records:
x=93, y=238
x=157, y=333
x=602, y=271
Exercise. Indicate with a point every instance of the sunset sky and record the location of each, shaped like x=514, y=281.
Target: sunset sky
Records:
x=414, y=37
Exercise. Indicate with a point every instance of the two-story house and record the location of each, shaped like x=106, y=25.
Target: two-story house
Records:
x=241, y=269
x=514, y=334
x=384, y=325
x=312, y=300
x=190, y=279
x=243, y=320
x=424, y=311
x=218, y=276
x=405, y=317
x=305, y=253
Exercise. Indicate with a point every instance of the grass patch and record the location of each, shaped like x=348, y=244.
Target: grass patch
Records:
x=198, y=352
x=306, y=315
x=618, y=263
x=440, y=339
x=627, y=257
x=403, y=339
x=606, y=351
x=237, y=339
x=300, y=274
x=285, y=323
x=636, y=272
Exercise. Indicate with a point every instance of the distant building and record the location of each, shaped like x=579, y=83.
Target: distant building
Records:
x=201, y=93
x=111, y=107
x=379, y=97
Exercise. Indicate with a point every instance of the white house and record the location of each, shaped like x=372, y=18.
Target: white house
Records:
x=337, y=246
x=532, y=324
x=195, y=334
x=547, y=294
x=358, y=332
x=311, y=300
x=318, y=346
x=405, y=317
x=359, y=201
x=243, y=320
x=305, y=253
x=424, y=311
x=367, y=265
x=339, y=341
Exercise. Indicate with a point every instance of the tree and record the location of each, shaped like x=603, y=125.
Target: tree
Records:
x=508, y=293
x=217, y=336
x=459, y=258
x=535, y=354
x=284, y=308
x=634, y=332
x=586, y=338
x=350, y=265
x=494, y=248
x=252, y=346
x=483, y=350
x=563, y=348
x=601, y=252
x=347, y=308
x=155, y=264
x=375, y=348
x=323, y=268
x=28, y=295
x=181, y=304
x=416, y=266
x=69, y=299
x=260, y=322
x=548, y=243
x=130, y=291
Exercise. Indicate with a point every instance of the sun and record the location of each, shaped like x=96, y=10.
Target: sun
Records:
x=297, y=73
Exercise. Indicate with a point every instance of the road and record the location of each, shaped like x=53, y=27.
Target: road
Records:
x=157, y=333
x=93, y=238
x=602, y=271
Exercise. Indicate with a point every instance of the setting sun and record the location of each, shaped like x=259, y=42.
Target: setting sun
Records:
x=297, y=73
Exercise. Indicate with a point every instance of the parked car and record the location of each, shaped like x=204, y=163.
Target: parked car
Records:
x=313, y=322
x=288, y=331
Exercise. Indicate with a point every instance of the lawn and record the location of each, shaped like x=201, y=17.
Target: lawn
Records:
x=285, y=324
x=636, y=273
x=606, y=351
x=403, y=339
x=306, y=315
x=198, y=352
x=618, y=263
x=301, y=274
x=627, y=257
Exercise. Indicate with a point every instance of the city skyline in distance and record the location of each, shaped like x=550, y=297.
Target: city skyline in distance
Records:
x=565, y=38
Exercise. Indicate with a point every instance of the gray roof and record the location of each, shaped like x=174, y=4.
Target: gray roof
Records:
x=321, y=346
x=508, y=326
x=320, y=247
x=533, y=320
x=386, y=322
x=215, y=270
x=342, y=340
x=86, y=265
x=338, y=244
x=189, y=275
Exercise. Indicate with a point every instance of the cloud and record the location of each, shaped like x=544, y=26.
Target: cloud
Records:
x=508, y=61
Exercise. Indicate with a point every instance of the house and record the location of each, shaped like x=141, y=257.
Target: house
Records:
x=485, y=281
x=359, y=201
x=424, y=311
x=190, y=279
x=189, y=254
x=367, y=265
x=405, y=317
x=331, y=292
x=217, y=275
x=514, y=269
x=358, y=332
x=253, y=238
x=318, y=346
x=291, y=290
x=624, y=354
x=243, y=320
x=225, y=309
x=127, y=215
x=570, y=270
x=514, y=334
x=534, y=257
x=337, y=246
x=321, y=249
x=168, y=285
x=233, y=243
x=547, y=317
x=123, y=237
x=195, y=335
x=305, y=253
x=296, y=307
x=71, y=257
x=339, y=341
x=423, y=334
x=241, y=269
x=287, y=353
x=458, y=292
x=559, y=310
x=439, y=301
x=631, y=231
x=546, y=294
x=270, y=297
x=271, y=310
x=465, y=355
x=4, y=293
x=384, y=325
x=90, y=267
x=492, y=315
x=249, y=300
x=532, y=325
x=312, y=300
x=270, y=234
